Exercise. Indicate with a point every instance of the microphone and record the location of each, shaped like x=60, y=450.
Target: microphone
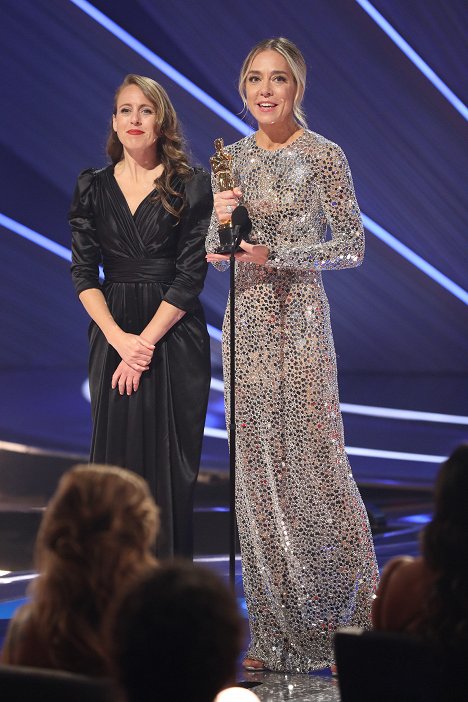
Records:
x=241, y=225
x=238, y=228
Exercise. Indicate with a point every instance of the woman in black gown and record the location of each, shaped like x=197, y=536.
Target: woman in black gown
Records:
x=145, y=219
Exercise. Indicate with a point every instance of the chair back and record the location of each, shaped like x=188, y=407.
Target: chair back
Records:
x=390, y=667
x=22, y=684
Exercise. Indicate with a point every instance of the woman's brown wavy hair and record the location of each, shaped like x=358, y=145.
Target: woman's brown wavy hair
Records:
x=170, y=146
x=445, y=549
x=95, y=538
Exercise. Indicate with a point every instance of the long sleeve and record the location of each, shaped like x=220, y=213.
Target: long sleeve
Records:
x=191, y=265
x=86, y=252
x=341, y=210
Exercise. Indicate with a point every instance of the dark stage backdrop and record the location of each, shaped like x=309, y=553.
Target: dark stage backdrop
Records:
x=401, y=337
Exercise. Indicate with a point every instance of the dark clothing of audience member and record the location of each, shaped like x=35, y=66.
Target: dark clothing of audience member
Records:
x=176, y=636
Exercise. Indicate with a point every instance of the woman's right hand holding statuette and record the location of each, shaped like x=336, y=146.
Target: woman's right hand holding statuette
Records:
x=225, y=202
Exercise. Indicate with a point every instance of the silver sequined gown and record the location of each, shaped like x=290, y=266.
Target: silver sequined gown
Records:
x=308, y=560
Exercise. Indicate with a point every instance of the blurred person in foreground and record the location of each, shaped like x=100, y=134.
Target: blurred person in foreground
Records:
x=428, y=596
x=176, y=635
x=95, y=538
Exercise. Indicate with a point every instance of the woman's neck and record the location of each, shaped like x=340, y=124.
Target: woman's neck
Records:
x=274, y=136
x=139, y=166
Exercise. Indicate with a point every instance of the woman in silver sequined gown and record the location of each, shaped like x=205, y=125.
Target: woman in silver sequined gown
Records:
x=308, y=560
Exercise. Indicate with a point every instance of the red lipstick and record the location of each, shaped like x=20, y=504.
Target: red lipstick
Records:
x=134, y=131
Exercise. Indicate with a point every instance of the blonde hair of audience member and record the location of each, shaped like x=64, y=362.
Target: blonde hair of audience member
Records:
x=96, y=536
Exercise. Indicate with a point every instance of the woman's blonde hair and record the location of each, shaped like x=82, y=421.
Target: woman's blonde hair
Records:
x=296, y=63
x=170, y=145
x=95, y=538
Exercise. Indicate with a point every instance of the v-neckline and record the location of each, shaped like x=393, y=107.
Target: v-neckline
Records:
x=132, y=214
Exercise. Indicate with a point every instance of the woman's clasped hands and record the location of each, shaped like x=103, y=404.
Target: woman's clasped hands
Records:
x=126, y=379
x=224, y=204
x=136, y=354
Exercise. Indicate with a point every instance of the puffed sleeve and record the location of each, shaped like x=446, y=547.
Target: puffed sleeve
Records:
x=86, y=252
x=191, y=265
x=340, y=207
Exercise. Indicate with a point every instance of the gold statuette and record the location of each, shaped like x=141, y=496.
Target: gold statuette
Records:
x=238, y=224
x=221, y=165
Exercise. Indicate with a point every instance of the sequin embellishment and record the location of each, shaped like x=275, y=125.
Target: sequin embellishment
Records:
x=308, y=559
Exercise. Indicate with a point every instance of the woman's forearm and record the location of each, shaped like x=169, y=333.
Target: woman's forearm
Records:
x=166, y=316
x=95, y=305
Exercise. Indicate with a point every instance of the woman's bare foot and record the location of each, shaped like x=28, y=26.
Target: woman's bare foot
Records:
x=253, y=664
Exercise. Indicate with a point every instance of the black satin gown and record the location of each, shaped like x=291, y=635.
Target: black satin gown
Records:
x=148, y=257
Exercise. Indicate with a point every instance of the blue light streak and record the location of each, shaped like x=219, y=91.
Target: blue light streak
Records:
x=394, y=455
x=359, y=451
x=216, y=384
x=415, y=259
x=36, y=238
x=384, y=412
x=162, y=66
x=414, y=57
x=215, y=433
x=214, y=559
x=407, y=415
x=8, y=607
x=416, y=518
x=214, y=332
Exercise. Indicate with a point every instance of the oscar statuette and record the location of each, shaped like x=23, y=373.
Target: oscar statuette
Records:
x=238, y=225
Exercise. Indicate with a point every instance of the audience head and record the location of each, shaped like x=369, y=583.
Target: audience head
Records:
x=445, y=549
x=96, y=535
x=176, y=635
